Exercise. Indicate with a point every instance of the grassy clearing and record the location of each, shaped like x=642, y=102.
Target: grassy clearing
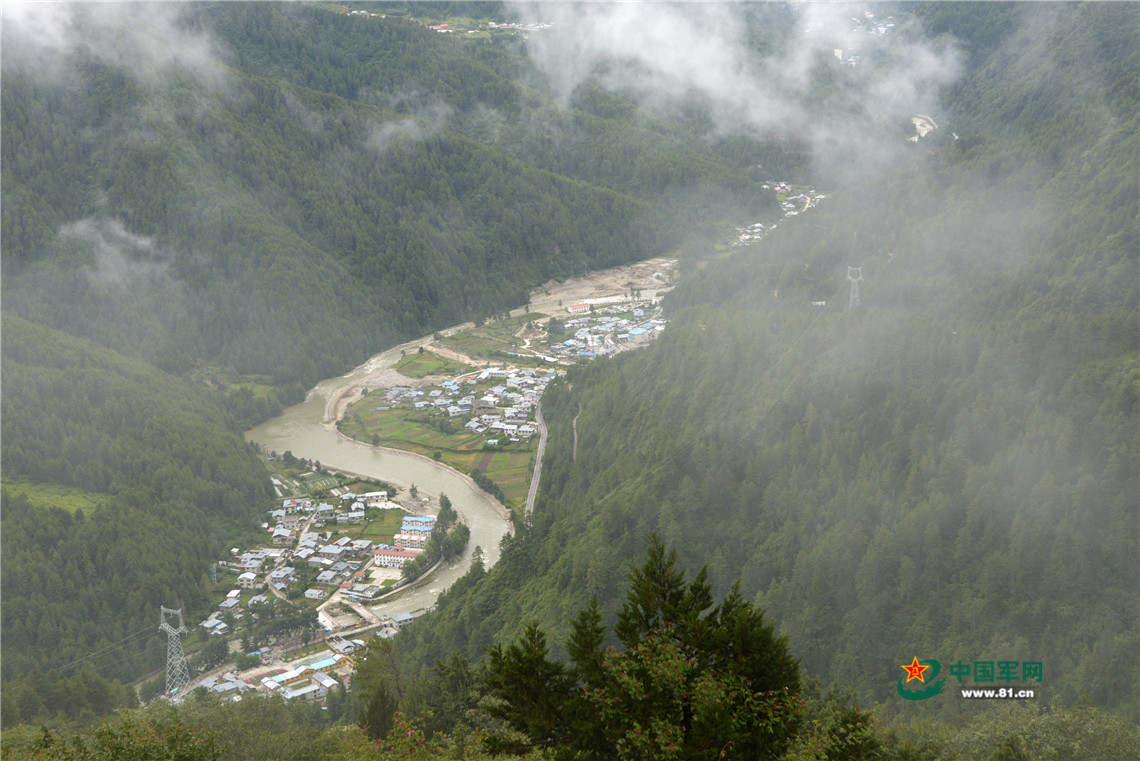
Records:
x=418, y=365
x=54, y=495
x=491, y=337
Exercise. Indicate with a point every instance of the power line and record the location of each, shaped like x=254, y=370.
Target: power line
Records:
x=106, y=649
x=149, y=650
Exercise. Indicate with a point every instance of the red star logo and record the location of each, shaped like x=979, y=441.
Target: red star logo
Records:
x=914, y=670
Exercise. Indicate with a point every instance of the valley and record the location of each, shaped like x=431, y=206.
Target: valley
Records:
x=662, y=381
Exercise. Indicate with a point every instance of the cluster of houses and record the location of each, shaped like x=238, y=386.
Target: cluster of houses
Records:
x=309, y=679
x=312, y=679
x=604, y=333
x=293, y=513
x=215, y=623
x=340, y=562
x=226, y=685
x=520, y=27
x=503, y=409
x=791, y=206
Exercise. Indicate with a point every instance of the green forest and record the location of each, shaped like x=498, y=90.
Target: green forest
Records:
x=950, y=467
x=742, y=529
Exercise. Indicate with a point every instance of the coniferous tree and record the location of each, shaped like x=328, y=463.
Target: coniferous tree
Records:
x=695, y=680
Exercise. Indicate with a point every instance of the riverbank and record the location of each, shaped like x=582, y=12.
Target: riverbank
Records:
x=309, y=431
x=504, y=512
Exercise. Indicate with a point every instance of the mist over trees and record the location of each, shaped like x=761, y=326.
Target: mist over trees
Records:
x=200, y=200
x=950, y=467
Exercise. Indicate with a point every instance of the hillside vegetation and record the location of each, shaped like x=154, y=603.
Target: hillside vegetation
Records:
x=209, y=208
x=949, y=468
x=945, y=468
x=177, y=485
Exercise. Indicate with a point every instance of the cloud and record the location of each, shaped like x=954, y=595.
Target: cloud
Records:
x=429, y=116
x=404, y=132
x=660, y=54
x=150, y=41
x=120, y=258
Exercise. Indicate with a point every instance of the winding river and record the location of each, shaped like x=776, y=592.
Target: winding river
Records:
x=302, y=429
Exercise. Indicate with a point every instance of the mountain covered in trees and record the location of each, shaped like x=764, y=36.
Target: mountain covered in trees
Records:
x=172, y=486
x=224, y=204
x=258, y=196
x=305, y=198
x=949, y=467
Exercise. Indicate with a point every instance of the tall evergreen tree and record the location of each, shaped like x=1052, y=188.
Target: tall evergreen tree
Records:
x=695, y=680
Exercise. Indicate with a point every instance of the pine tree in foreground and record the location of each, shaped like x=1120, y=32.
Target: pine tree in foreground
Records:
x=694, y=680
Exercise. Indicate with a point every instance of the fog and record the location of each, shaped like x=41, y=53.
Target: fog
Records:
x=664, y=54
x=149, y=40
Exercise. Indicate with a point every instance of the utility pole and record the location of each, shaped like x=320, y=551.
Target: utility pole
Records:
x=855, y=275
x=177, y=672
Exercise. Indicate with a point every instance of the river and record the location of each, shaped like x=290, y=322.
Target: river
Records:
x=301, y=430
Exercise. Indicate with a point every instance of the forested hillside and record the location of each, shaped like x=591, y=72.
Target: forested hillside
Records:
x=210, y=207
x=217, y=206
x=949, y=468
x=173, y=483
x=272, y=220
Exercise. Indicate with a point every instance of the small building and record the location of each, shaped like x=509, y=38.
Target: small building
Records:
x=249, y=580
x=403, y=619
x=315, y=594
x=413, y=541
x=282, y=575
x=334, y=661
x=331, y=551
x=351, y=517
x=306, y=692
x=325, y=682
x=391, y=558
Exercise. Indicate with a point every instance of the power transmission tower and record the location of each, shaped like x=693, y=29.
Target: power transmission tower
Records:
x=214, y=573
x=855, y=275
x=177, y=673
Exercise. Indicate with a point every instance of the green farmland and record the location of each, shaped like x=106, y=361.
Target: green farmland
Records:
x=414, y=431
x=492, y=337
x=425, y=363
x=55, y=495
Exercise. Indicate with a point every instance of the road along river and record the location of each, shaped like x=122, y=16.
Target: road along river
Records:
x=306, y=431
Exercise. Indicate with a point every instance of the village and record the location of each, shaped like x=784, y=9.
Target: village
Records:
x=298, y=608
x=792, y=204
x=301, y=604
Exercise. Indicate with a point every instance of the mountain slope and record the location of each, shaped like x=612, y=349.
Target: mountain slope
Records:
x=173, y=479
x=947, y=471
